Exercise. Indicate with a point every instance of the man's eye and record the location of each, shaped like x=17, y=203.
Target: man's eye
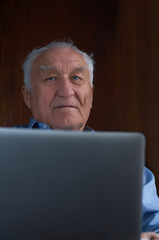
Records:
x=51, y=79
x=75, y=77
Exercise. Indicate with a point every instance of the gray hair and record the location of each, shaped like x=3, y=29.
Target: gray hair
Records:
x=27, y=65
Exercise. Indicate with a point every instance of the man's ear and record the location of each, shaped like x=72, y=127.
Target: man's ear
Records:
x=92, y=88
x=26, y=97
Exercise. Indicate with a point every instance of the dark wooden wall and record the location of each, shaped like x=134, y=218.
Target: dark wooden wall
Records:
x=124, y=36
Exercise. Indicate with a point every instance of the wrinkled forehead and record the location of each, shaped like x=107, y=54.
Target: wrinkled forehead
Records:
x=60, y=57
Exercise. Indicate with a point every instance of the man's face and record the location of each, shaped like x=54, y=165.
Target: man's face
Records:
x=61, y=93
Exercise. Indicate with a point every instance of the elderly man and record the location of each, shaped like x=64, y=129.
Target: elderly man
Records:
x=59, y=91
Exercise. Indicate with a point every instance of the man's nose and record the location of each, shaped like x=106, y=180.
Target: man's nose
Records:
x=65, y=88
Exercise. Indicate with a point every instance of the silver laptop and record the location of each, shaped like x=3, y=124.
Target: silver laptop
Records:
x=70, y=185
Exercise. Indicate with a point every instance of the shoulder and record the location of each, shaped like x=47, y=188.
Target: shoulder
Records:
x=150, y=203
x=149, y=186
x=150, y=197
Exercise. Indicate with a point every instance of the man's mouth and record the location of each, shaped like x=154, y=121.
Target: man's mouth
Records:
x=64, y=106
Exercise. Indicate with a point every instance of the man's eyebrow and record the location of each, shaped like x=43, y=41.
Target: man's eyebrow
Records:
x=78, y=69
x=46, y=67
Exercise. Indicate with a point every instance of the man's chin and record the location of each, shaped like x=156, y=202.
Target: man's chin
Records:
x=68, y=121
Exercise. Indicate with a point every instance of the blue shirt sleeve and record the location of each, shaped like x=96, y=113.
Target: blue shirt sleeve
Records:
x=150, y=203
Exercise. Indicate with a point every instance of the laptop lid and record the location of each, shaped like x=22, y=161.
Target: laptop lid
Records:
x=70, y=185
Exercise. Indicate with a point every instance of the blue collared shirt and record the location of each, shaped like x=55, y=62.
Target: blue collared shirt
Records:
x=150, y=200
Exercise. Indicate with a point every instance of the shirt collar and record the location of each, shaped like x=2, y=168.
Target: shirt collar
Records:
x=35, y=124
